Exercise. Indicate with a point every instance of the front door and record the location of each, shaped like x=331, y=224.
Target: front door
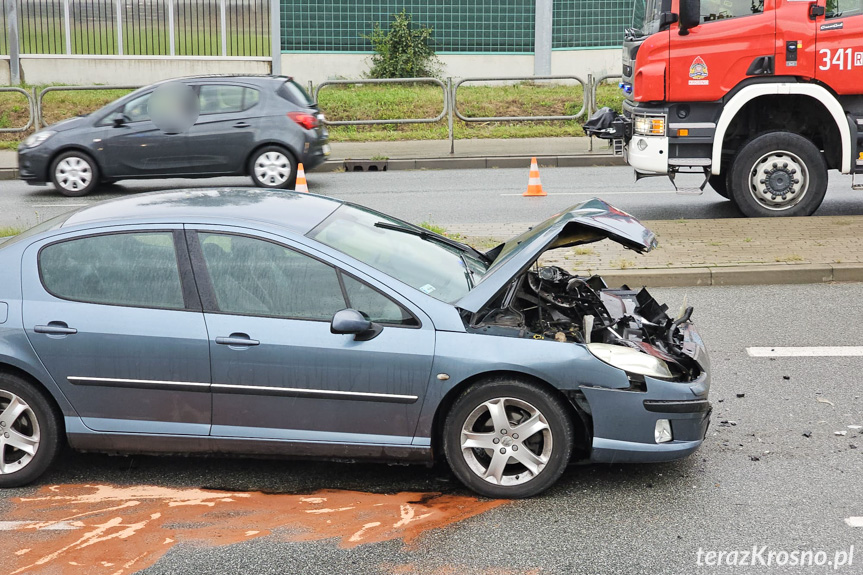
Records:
x=110, y=319
x=139, y=148
x=278, y=372
x=713, y=57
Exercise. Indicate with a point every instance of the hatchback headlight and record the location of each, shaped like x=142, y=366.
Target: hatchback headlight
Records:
x=649, y=125
x=38, y=138
x=630, y=360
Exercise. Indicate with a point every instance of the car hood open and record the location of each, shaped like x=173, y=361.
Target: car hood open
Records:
x=588, y=222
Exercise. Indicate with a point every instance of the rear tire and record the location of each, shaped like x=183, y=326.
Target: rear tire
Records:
x=505, y=438
x=273, y=167
x=74, y=174
x=778, y=174
x=29, y=432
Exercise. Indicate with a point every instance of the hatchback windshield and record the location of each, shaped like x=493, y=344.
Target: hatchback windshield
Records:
x=402, y=251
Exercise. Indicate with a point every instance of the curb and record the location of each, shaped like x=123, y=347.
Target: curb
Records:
x=736, y=275
x=8, y=174
x=475, y=163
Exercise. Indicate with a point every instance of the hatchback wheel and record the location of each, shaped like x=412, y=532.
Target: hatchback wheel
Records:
x=29, y=432
x=273, y=167
x=508, y=439
x=74, y=174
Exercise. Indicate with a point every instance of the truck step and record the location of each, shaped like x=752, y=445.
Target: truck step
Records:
x=690, y=191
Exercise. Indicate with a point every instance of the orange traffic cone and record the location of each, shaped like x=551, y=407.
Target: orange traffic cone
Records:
x=301, y=185
x=534, y=186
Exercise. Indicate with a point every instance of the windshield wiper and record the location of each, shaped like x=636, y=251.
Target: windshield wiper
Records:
x=432, y=237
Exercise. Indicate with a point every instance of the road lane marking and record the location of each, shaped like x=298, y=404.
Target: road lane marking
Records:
x=854, y=521
x=51, y=526
x=58, y=205
x=839, y=351
x=597, y=194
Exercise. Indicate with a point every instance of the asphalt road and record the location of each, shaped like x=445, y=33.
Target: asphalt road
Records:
x=452, y=196
x=757, y=481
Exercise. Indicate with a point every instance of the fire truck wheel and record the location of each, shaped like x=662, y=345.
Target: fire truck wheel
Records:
x=778, y=174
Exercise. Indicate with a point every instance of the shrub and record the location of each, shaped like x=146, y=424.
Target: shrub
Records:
x=403, y=51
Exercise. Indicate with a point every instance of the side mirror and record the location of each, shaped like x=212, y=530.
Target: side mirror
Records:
x=690, y=15
x=352, y=322
x=119, y=119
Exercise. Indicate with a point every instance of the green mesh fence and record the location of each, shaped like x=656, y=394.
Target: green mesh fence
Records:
x=460, y=26
x=579, y=24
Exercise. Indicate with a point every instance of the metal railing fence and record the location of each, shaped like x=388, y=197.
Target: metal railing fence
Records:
x=39, y=102
x=434, y=81
x=31, y=107
x=226, y=28
x=463, y=118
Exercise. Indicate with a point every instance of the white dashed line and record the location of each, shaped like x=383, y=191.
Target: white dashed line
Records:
x=58, y=205
x=841, y=351
x=597, y=194
x=854, y=521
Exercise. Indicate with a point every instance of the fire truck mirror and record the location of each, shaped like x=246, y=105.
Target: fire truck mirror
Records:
x=690, y=15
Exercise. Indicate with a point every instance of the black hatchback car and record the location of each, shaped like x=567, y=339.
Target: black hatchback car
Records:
x=260, y=126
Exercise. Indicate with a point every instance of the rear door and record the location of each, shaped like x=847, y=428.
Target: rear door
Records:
x=278, y=372
x=840, y=46
x=223, y=137
x=120, y=329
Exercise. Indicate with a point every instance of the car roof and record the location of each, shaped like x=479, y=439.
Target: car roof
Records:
x=299, y=212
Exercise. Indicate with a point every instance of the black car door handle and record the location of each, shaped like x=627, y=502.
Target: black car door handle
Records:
x=241, y=125
x=237, y=339
x=56, y=328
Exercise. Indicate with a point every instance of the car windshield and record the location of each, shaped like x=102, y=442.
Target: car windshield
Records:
x=410, y=254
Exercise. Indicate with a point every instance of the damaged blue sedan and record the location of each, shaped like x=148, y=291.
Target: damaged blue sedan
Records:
x=258, y=323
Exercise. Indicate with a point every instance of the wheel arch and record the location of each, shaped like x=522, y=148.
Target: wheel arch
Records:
x=813, y=94
x=581, y=421
x=39, y=386
x=74, y=148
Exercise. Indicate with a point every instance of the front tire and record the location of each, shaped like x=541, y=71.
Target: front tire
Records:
x=273, y=167
x=720, y=185
x=509, y=439
x=778, y=174
x=74, y=174
x=29, y=432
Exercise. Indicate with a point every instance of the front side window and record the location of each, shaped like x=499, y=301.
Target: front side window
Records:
x=257, y=277
x=127, y=269
x=375, y=305
x=137, y=110
x=723, y=9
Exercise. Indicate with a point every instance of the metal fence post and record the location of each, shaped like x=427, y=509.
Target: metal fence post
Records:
x=588, y=96
x=450, y=97
x=120, y=27
x=276, y=37
x=542, y=38
x=14, y=46
x=34, y=109
x=224, y=21
x=67, y=27
x=170, y=25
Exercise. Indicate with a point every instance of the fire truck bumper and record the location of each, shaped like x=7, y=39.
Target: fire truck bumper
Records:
x=647, y=154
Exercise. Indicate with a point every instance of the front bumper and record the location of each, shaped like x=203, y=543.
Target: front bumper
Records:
x=33, y=164
x=647, y=154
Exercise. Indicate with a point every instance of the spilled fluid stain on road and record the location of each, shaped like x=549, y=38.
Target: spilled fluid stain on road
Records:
x=114, y=530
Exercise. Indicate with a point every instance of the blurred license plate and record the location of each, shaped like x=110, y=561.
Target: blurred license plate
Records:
x=326, y=149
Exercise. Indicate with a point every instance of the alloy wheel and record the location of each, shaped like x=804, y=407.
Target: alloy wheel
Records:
x=19, y=433
x=506, y=441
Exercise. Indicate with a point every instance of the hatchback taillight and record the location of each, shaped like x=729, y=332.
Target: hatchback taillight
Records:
x=307, y=121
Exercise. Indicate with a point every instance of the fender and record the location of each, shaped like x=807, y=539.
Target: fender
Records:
x=751, y=92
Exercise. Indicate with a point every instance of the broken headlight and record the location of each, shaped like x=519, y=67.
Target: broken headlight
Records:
x=630, y=360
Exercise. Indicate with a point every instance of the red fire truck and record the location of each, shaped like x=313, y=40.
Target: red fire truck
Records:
x=761, y=96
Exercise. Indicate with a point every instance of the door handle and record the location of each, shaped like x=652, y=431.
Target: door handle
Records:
x=241, y=125
x=56, y=328
x=238, y=339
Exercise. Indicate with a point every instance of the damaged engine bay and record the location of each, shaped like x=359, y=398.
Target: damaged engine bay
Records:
x=549, y=303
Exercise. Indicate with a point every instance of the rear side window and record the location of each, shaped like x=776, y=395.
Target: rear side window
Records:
x=131, y=269
x=294, y=93
x=226, y=99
